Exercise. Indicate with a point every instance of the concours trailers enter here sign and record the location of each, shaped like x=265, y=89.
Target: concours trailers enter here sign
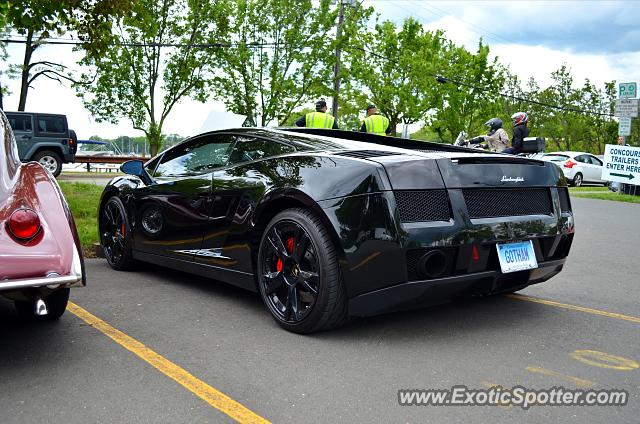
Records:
x=621, y=164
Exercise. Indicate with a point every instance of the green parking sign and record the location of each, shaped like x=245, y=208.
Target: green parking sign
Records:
x=627, y=90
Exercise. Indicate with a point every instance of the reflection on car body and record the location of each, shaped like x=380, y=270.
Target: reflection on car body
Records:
x=328, y=224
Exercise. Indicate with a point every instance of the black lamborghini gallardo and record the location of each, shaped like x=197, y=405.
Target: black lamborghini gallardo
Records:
x=327, y=224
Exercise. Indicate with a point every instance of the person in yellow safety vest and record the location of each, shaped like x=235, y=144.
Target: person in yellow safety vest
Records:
x=318, y=119
x=374, y=123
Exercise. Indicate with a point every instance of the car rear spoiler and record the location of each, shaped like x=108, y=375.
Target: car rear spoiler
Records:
x=385, y=140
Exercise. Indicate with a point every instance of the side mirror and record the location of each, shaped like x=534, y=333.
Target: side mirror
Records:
x=136, y=167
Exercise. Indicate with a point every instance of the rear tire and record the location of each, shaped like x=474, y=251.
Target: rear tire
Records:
x=298, y=274
x=56, y=305
x=51, y=161
x=577, y=180
x=115, y=235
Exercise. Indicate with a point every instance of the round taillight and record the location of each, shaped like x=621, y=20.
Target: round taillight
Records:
x=24, y=224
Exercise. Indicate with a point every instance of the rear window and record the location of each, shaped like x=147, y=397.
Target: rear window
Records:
x=556, y=158
x=51, y=124
x=19, y=122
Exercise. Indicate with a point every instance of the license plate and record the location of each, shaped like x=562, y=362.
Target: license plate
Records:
x=516, y=256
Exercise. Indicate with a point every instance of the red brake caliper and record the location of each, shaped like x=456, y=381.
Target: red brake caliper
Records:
x=290, y=244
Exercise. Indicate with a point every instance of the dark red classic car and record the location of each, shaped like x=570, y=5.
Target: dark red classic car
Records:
x=40, y=254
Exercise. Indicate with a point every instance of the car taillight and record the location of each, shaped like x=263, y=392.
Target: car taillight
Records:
x=569, y=163
x=24, y=224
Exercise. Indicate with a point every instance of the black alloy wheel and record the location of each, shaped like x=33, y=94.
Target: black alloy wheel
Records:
x=299, y=278
x=114, y=235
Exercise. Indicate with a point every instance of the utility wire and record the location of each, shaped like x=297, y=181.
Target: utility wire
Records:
x=439, y=77
x=53, y=41
x=445, y=79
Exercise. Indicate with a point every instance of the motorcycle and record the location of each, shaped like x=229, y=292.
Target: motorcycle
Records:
x=462, y=140
x=533, y=147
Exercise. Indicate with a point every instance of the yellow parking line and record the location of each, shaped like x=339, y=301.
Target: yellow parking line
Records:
x=213, y=397
x=575, y=308
x=580, y=382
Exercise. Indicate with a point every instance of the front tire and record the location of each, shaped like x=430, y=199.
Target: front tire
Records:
x=56, y=305
x=115, y=235
x=51, y=161
x=298, y=274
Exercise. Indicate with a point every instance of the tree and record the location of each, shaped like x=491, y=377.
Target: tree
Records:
x=282, y=54
x=37, y=20
x=156, y=60
x=471, y=95
x=394, y=70
x=563, y=124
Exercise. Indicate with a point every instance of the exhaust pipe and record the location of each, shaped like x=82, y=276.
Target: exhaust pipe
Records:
x=433, y=264
x=40, y=307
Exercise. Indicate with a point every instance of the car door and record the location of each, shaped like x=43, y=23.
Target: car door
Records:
x=173, y=212
x=592, y=173
x=596, y=164
x=51, y=130
x=22, y=126
x=584, y=167
x=236, y=190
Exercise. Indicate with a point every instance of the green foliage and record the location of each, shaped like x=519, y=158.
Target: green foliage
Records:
x=426, y=134
x=267, y=83
x=390, y=67
x=627, y=198
x=272, y=57
x=140, y=78
x=37, y=20
x=566, y=127
x=83, y=201
x=469, y=99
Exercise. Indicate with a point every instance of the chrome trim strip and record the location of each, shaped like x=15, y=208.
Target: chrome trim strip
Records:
x=67, y=280
x=215, y=252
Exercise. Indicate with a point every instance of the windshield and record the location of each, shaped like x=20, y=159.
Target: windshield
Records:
x=556, y=158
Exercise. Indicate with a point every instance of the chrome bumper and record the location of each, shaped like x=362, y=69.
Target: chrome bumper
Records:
x=71, y=280
x=66, y=281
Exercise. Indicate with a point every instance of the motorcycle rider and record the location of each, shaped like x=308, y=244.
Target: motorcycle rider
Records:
x=520, y=131
x=496, y=139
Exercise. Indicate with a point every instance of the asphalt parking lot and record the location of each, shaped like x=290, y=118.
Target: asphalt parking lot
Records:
x=216, y=339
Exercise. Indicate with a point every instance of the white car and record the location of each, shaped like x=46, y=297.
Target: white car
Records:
x=578, y=167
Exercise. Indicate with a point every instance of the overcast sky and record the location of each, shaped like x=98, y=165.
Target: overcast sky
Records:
x=599, y=40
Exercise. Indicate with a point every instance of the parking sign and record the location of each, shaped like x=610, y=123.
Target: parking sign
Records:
x=624, y=126
x=627, y=90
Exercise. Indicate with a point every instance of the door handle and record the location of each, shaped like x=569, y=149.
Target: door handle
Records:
x=25, y=137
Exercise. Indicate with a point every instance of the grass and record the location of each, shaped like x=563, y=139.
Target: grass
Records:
x=90, y=174
x=588, y=188
x=83, y=200
x=609, y=196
